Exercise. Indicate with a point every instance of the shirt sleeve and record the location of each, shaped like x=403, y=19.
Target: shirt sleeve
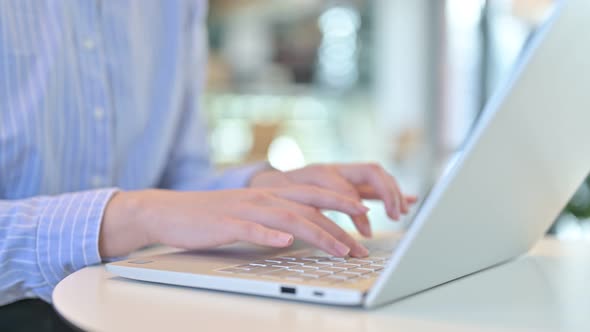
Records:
x=44, y=239
x=189, y=166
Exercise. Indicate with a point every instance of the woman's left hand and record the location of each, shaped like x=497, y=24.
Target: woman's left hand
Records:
x=356, y=181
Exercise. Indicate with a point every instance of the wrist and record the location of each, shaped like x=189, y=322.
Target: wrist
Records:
x=124, y=228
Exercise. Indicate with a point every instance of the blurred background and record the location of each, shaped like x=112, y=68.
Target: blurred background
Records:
x=393, y=81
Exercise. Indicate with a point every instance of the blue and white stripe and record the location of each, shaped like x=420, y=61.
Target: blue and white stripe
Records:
x=95, y=96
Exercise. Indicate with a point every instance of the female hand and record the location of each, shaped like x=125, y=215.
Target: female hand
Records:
x=194, y=220
x=276, y=208
x=355, y=181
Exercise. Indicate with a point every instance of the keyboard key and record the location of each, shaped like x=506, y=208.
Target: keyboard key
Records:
x=261, y=262
x=346, y=265
x=333, y=269
x=299, y=268
x=283, y=266
x=337, y=259
x=309, y=259
x=381, y=256
x=346, y=275
x=295, y=263
x=318, y=265
x=359, y=271
x=317, y=258
x=327, y=262
x=374, y=267
x=286, y=258
x=359, y=261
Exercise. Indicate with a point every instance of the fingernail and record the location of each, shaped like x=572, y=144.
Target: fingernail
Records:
x=341, y=249
x=362, y=209
x=363, y=252
x=394, y=215
x=284, y=239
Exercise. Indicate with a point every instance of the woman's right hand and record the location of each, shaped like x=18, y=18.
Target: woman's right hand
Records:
x=196, y=220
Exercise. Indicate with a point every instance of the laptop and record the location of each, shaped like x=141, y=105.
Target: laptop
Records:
x=525, y=158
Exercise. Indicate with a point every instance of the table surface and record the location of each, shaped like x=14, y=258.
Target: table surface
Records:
x=545, y=290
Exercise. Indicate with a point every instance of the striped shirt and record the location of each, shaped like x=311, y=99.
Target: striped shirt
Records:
x=95, y=96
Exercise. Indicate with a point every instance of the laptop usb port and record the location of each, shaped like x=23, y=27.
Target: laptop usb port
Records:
x=288, y=290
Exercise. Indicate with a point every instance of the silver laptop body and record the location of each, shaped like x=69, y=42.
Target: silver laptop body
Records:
x=526, y=157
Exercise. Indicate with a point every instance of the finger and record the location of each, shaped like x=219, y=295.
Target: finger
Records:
x=383, y=184
x=363, y=225
x=411, y=199
x=330, y=200
x=322, y=199
x=314, y=215
x=391, y=183
x=258, y=234
x=293, y=223
x=367, y=192
x=327, y=177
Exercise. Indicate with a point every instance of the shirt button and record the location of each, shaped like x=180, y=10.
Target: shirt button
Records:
x=99, y=113
x=89, y=44
x=96, y=181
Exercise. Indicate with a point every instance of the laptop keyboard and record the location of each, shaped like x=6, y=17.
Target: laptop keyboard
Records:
x=325, y=269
